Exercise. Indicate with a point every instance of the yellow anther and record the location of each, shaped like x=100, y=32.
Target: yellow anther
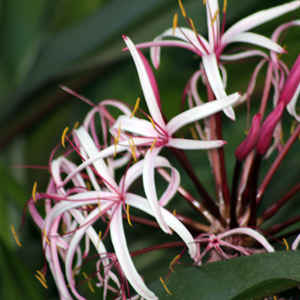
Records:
x=76, y=125
x=174, y=260
x=41, y=275
x=99, y=238
x=15, y=235
x=41, y=280
x=286, y=244
x=136, y=107
x=152, y=122
x=99, y=207
x=194, y=133
x=193, y=27
x=153, y=144
x=275, y=297
x=128, y=215
x=174, y=212
x=204, y=2
x=215, y=17
x=182, y=9
x=164, y=285
x=88, y=185
x=119, y=132
x=282, y=138
x=63, y=136
x=48, y=242
x=88, y=282
x=116, y=142
x=294, y=123
x=34, y=191
x=132, y=147
x=224, y=6
x=175, y=22
x=90, y=206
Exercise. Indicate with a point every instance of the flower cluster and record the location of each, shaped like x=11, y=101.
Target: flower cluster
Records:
x=87, y=199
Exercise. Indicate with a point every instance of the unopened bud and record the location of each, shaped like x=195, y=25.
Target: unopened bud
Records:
x=291, y=83
x=267, y=129
x=250, y=141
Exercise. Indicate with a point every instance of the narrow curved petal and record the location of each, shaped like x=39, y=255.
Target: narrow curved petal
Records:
x=186, y=144
x=149, y=94
x=255, y=39
x=142, y=204
x=92, y=151
x=242, y=55
x=150, y=189
x=124, y=258
x=200, y=112
x=213, y=75
x=135, y=125
x=250, y=232
x=213, y=25
x=259, y=18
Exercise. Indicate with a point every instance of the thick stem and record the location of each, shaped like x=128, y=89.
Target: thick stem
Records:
x=254, y=182
x=233, y=199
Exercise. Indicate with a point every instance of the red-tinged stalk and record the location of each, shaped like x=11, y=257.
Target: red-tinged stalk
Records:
x=262, y=188
x=267, y=87
x=274, y=208
x=279, y=227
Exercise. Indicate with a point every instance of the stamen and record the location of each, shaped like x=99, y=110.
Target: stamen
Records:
x=119, y=131
x=293, y=126
x=99, y=238
x=215, y=17
x=115, y=153
x=88, y=185
x=275, y=297
x=164, y=285
x=48, y=242
x=182, y=9
x=41, y=275
x=204, y=2
x=174, y=260
x=99, y=207
x=175, y=22
x=152, y=122
x=224, y=6
x=132, y=147
x=286, y=244
x=194, y=133
x=136, y=107
x=76, y=125
x=34, y=191
x=153, y=144
x=63, y=137
x=15, y=235
x=41, y=281
x=128, y=215
x=90, y=206
x=193, y=27
x=88, y=282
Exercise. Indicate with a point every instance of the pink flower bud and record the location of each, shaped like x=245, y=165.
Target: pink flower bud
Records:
x=291, y=83
x=249, y=143
x=267, y=129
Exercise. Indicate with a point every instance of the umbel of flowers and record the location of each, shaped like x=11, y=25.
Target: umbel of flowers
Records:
x=86, y=192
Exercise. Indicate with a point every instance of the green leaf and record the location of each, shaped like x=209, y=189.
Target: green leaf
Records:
x=252, y=277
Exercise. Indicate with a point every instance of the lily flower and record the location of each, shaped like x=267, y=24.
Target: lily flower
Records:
x=211, y=50
x=110, y=201
x=155, y=134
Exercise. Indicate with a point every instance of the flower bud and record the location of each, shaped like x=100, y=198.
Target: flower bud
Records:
x=250, y=141
x=267, y=129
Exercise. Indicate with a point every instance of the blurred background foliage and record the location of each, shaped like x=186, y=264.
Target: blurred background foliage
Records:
x=46, y=43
